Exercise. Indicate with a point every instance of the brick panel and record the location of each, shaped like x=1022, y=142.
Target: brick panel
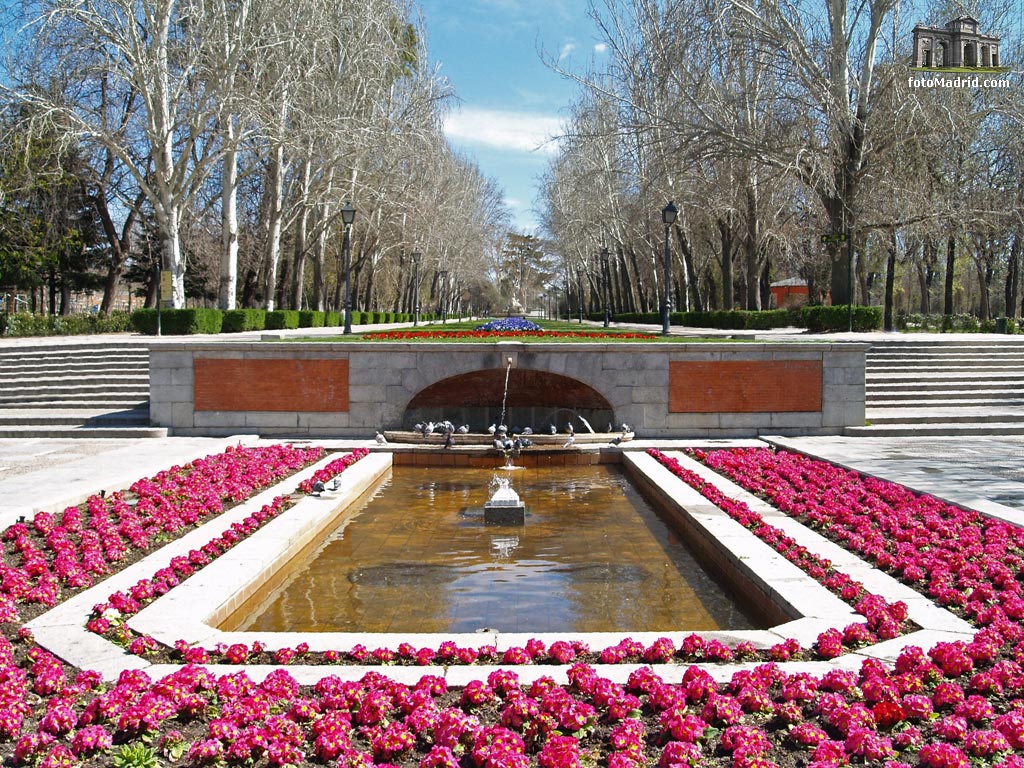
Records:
x=748, y=386
x=312, y=386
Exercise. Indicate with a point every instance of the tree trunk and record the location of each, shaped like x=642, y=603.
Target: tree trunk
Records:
x=301, y=233
x=228, y=285
x=947, y=303
x=890, y=277
x=753, y=300
x=726, y=238
x=1013, y=273
x=274, y=211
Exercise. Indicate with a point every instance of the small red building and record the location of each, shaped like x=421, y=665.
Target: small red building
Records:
x=790, y=293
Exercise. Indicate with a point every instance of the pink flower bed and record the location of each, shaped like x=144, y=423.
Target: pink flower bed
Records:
x=958, y=704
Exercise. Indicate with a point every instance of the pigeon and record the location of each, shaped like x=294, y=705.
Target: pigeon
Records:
x=381, y=440
x=318, y=488
x=554, y=429
x=527, y=431
x=524, y=442
x=569, y=441
x=499, y=444
x=569, y=429
x=428, y=428
x=463, y=430
x=625, y=428
x=502, y=429
x=449, y=441
x=493, y=428
x=446, y=427
x=417, y=427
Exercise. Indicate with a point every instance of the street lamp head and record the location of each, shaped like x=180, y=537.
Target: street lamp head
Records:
x=669, y=213
x=416, y=255
x=348, y=213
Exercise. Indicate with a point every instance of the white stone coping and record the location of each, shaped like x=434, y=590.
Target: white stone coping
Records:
x=184, y=611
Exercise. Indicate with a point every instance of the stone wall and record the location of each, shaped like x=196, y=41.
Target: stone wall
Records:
x=354, y=389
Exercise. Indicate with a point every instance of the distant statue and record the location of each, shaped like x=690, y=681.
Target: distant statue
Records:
x=514, y=307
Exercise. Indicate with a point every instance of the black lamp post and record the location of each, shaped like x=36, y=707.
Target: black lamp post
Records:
x=668, y=215
x=579, y=292
x=348, y=216
x=442, y=285
x=605, y=278
x=416, y=256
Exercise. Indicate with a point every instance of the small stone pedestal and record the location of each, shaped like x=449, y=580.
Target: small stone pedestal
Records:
x=505, y=514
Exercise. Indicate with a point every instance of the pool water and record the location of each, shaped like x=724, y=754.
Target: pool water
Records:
x=416, y=556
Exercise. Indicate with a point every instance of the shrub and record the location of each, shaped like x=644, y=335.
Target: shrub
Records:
x=27, y=324
x=239, y=320
x=333, y=319
x=280, y=319
x=178, y=322
x=836, y=318
x=309, y=318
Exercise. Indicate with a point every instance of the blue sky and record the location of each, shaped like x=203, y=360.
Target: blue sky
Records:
x=510, y=102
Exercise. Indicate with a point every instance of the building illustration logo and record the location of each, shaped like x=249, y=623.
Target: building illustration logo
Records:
x=957, y=46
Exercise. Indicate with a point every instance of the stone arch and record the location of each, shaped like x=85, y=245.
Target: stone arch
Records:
x=535, y=399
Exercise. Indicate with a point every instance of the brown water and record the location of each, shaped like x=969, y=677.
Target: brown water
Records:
x=417, y=557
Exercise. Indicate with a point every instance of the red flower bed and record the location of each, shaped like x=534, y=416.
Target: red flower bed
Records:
x=443, y=335
x=959, y=704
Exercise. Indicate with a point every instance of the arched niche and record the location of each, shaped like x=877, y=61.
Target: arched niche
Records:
x=535, y=399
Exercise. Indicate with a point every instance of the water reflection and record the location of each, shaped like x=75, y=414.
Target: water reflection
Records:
x=593, y=556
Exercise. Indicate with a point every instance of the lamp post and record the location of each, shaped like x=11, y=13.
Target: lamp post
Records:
x=442, y=284
x=416, y=256
x=579, y=292
x=668, y=215
x=348, y=216
x=606, y=277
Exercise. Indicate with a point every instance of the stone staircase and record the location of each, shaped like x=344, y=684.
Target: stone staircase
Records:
x=56, y=389
x=951, y=386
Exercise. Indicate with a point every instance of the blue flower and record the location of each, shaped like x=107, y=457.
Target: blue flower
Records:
x=507, y=324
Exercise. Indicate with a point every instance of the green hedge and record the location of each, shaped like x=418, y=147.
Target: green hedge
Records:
x=333, y=319
x=836, y=318
x=310, y=318
x=961, y=323
x=240, y=320
x=281, y=319
x=27, y=324
x=178, y=322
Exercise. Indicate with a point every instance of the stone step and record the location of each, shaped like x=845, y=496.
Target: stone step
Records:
x=132, y=380
x=927, y=386
x=60, y=417
x=935, y=404
x=932, y=400
x=936, y=429
x=98, y=402
x=948, y=415
x=81, y=431
x=47, y=369
x=882, y=372
x=971, y=375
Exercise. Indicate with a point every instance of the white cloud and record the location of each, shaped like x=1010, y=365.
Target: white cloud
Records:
x=601, y=48
x=514, y=131
x=566, y=51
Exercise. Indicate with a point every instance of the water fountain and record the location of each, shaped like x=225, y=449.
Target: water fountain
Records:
x=504, y=507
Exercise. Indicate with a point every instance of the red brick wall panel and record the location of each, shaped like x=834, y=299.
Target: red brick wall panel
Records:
x=747, y=386
x=314, y=386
